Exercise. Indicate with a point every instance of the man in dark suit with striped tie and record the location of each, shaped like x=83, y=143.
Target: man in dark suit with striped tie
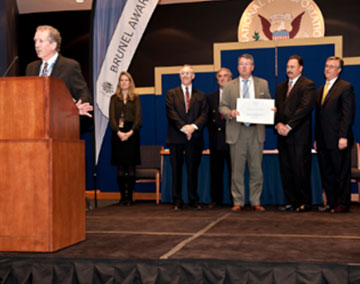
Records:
x=335, y=110
x=294, y=101
x=186, y=110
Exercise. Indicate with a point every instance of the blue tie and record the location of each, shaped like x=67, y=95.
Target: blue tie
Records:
x=246, y=95
x=245, y=89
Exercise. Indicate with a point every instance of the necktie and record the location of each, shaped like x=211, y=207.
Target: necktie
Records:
x=43, y=72
x=325, y=92
x=246, y=89
x=187, y=98
x=290, y=85
x=246, y=96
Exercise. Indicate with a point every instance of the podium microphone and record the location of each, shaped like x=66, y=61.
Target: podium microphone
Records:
x=11, y=65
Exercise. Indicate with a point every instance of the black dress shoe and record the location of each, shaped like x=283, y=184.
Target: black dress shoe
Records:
x=177, y=207
x=341, y=209
x=303, y=208
x=212, y=205
x=128, y=203
x=325, y=208
x=195, y=206
x=287, y=207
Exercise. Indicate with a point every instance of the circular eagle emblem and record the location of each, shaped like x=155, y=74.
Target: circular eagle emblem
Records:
x=280, y=19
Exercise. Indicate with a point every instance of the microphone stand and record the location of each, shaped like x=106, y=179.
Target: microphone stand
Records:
x=10, y=66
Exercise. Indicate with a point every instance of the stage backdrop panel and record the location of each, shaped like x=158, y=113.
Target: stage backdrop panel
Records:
x=270, y=63
x=264, y=59
x=351, y=73
x=272, y=189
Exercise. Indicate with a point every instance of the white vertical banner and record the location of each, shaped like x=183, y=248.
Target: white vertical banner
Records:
x=120, y=51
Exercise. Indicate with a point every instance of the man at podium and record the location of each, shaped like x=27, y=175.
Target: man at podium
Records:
x=47, y=41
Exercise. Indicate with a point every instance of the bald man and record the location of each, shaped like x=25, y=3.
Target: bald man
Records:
x=186, y=110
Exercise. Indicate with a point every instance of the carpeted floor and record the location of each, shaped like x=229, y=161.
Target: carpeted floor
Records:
x=149, y=231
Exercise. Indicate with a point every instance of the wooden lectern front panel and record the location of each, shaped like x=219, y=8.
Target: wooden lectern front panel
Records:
x=42, y=166
x=22, y=108
x=68, y=194
x=24, y=184
x=36, y=108
x=42, y=202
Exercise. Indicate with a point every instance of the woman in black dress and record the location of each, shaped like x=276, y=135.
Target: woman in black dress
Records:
x=125, y=123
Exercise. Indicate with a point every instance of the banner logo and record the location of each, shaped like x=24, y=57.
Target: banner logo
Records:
x=120, y=51
x=118, y=29
x=280, y=19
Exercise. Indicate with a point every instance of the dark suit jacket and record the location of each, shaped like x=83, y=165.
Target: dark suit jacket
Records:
x=68, y=70
x=177, y=116
x=296, y=110
x=335, y=117
x=216, y=123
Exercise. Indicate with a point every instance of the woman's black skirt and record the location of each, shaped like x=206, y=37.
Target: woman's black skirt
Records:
x=125, y=153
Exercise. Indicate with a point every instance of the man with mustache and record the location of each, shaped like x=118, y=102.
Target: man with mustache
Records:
x=294, y=101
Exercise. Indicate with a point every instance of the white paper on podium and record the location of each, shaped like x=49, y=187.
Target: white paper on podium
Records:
x=259, y=111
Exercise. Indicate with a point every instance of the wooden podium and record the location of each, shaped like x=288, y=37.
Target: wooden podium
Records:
x=42, y=166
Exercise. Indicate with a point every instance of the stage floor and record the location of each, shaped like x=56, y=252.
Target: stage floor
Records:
x=149, y=231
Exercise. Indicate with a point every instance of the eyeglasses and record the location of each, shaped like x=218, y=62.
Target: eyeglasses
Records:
x=331, y=66
x=245, y=64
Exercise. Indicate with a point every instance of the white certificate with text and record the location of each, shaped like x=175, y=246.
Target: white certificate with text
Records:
x=259, y=111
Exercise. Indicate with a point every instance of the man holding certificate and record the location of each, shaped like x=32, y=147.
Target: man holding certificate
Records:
x=246, y=139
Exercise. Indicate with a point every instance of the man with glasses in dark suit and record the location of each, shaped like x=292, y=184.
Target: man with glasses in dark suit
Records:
x=335, y=110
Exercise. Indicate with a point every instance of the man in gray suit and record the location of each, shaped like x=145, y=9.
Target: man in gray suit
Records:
x=246, y=140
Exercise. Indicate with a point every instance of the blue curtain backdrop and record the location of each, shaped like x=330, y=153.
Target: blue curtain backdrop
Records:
x=105, y=17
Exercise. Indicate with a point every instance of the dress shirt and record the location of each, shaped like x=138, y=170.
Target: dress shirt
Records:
x=50, y=66
x=331, y=83
x=293, y=84
x=295, y=80
x=183, y=87
x=250, y=85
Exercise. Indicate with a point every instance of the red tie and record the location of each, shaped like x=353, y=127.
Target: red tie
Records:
x=43, y=72
x=187, y=98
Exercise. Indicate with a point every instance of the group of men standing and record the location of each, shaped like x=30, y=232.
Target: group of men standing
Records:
x=189, y=111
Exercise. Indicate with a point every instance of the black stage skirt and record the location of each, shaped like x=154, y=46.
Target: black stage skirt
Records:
x=124, y=153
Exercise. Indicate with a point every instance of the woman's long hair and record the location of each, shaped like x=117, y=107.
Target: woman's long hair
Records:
x=131, y=94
